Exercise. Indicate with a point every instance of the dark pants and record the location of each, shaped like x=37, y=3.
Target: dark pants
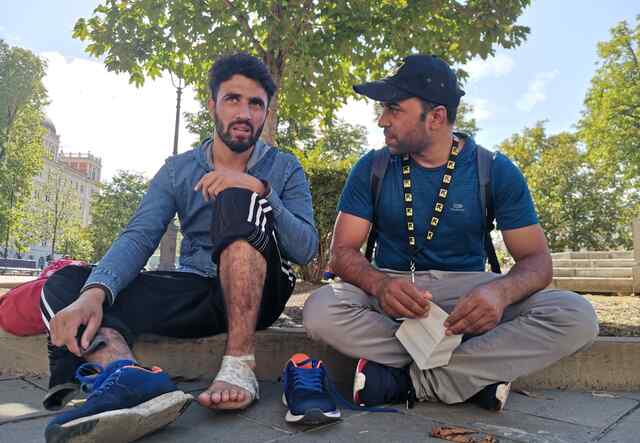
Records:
x=180, y=304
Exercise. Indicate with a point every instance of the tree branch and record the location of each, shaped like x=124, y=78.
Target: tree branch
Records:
x=244, y=22
x=632, y=53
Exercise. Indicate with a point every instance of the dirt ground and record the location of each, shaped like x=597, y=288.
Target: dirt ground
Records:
x=618, y=315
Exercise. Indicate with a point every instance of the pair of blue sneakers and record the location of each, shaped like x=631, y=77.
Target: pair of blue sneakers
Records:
x=125, y=402
x=312, y=398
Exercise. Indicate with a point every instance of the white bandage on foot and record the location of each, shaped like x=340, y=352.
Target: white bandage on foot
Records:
x=235, y=371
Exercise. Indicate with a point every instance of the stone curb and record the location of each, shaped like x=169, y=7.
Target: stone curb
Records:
x=610, y=364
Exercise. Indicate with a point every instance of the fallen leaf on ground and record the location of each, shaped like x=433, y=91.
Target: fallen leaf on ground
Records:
x=458, y=435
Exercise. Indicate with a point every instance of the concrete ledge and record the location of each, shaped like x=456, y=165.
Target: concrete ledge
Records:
x=593, y=255
x=584, y=263
x=594, y=284
x=10, y=283
x=593, y=272
x=611, y=363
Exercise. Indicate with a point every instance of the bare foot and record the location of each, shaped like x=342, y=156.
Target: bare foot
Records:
x=224, y=396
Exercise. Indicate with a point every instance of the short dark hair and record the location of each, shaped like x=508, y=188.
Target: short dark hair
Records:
x=240, y=63
x=429, y=106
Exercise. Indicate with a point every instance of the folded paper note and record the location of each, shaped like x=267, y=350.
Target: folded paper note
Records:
x=425, y=339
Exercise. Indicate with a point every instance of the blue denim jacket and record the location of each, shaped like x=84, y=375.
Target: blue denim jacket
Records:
x=172, y=190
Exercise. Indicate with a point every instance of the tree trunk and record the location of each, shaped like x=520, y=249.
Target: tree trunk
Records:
x=275, y=64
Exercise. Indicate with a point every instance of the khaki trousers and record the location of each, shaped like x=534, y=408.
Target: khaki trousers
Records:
x=532, y=334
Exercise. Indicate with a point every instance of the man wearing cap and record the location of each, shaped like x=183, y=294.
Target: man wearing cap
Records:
x=430, y=248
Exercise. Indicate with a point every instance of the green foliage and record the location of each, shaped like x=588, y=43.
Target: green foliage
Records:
x=326, y=186
x=610, y=125
x=112, y=207
x=21, y=73
x=579, y=207
x=22, y=97
x=314, y=50
x=55, y=208
x=76, y=243
x=464, y=121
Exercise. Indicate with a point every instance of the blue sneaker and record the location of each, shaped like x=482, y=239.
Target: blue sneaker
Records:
x=375, y=384
x=306, y=392
x=125, y=402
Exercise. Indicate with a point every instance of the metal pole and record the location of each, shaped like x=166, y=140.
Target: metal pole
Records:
x=6, y=242
x=177, y=129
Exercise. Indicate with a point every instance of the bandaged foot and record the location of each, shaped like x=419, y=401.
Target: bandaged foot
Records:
x=235, y=386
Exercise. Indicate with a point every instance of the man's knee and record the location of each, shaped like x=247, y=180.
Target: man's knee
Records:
x=316, y=314
x=577, y=318
x=63, y=287
x=241, y=215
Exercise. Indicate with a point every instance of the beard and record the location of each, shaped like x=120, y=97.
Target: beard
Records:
x=414, y=142
x=236, y=145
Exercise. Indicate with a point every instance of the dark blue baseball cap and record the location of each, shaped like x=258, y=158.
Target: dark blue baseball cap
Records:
x=423, y=76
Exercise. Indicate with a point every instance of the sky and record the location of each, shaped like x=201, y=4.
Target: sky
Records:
x=131, y=128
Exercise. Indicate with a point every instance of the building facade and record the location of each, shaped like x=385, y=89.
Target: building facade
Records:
x=79, y=173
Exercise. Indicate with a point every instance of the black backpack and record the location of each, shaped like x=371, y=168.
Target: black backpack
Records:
x=484, y=158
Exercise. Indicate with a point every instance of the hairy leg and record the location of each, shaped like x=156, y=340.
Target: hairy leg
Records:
x=116, y=348
x=242, y=271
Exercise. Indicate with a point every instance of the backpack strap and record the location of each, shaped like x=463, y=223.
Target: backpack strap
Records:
x=485, y=159
x=378, y=169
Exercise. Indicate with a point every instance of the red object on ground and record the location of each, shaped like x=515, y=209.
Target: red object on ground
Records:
x=20, y=307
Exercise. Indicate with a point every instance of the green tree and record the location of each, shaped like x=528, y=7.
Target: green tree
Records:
x=22, y=97
x=112, y=207
x=76, y=242
x=315, y=51
x=56, y=208
x=610, y=125
x=21, y=73
x=578, y=206
x=464, y=121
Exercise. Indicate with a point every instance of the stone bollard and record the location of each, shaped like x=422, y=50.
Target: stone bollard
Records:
x=636, y=256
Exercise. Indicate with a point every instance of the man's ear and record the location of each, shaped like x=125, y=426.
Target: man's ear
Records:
x=211, y=106
x=438, y=117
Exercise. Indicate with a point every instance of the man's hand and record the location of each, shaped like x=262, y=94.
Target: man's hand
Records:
x=477, y=312
x=86, y=310
x=214, y=182
x=399, y=297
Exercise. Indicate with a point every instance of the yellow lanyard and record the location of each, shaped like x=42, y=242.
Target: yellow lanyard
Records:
x=438, y=210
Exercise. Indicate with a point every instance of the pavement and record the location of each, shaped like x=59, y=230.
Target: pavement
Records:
x=549, y=416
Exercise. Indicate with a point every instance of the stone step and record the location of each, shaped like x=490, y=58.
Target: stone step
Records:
x=592, y=272
x=593, y=255
x=588, y=263
x=593, y=284
x=199, y=359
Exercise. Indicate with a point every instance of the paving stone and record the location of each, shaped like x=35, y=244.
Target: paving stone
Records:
x=271, y=411
x=582, y=408
x=632, y=395
x=27, y=431
x=19, y=398
x=193, y=386
x=41, y=381
x=508, y=424
x=625, y=431
x=379, y=427
x=199, y=425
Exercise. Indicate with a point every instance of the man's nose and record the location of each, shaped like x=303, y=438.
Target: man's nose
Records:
x=243, y=111
x=383, y=121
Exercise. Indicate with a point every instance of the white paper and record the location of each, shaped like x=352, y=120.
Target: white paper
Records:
x=425, y=339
